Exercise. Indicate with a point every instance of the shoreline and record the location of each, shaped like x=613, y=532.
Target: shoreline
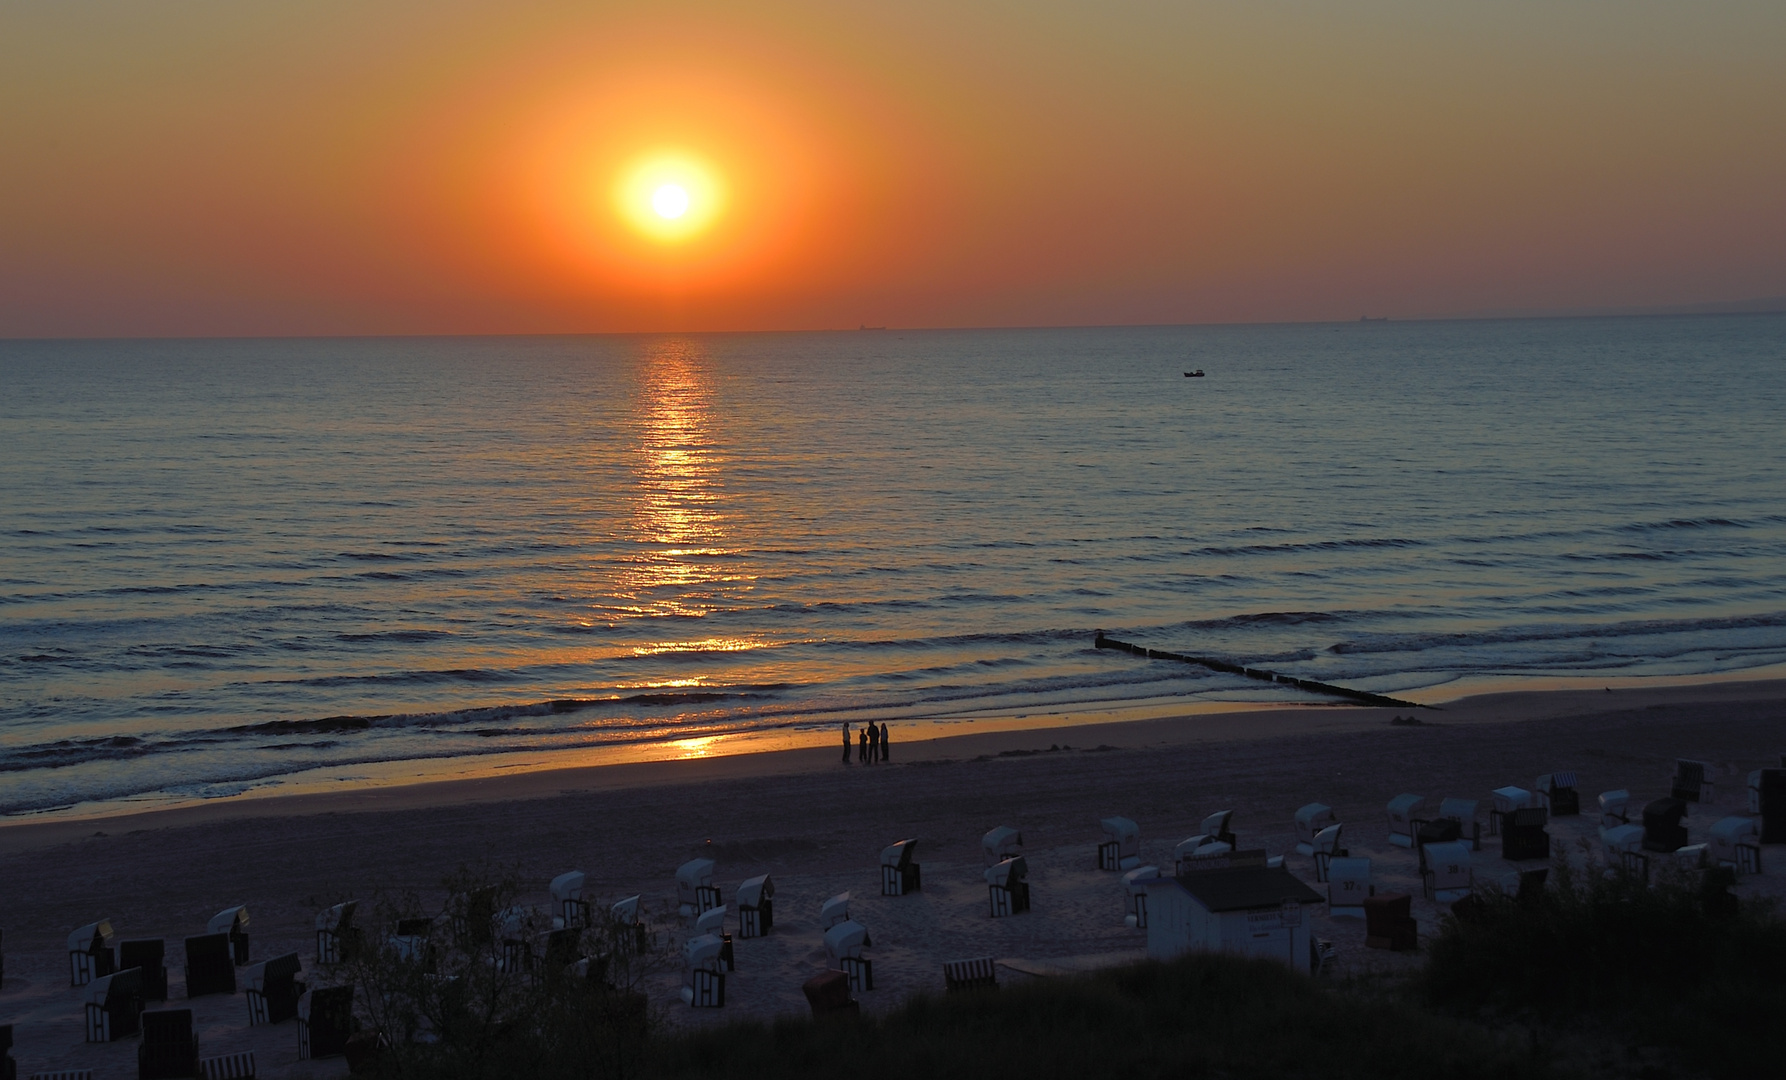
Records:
x=1157, y=725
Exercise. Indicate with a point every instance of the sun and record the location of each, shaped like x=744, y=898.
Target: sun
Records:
x=670, y=195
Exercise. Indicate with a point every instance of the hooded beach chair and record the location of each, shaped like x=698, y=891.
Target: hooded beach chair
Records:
x=1403, y=820
x=1736, y=843
x=828, y=994
x=1692, y=781
x=90, y=953
x=1001, y=844
x=273, y=989
x=210, y=965
x=337, y=939
x=1523, y=835
x=325, y=1022
x=9, y=1069
x=1614, y=809
x=1504, y=801
x=114, y=1002
x=756, y=906
x=1389, y=922
x=1624, y=849
x=149, y=956
x=169, y=1050
x=899, y=873
x=713, y=922
x=1006, y=887
x=695, y=891
x=516, y=928
x=1662, y=828
x=1324, y=846
x=236, y=1066
x=844, y=944
x=413, y=942
x=1456, y=821
x=1310, y=820
x=1446, y=873
x=1525, y=886
x=625, y=915
x=234, y=922
x=1767, y=800
x=1557, y=794
x=834, y=911
x=1135, y=892
x=705, y=981
x=1348, y=887
x=1121, y=849
x=980, y=973
x=569, y=909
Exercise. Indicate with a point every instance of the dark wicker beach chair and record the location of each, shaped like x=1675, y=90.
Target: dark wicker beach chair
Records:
x=1662, y=828
x=273, y=989
x=1691, y=782
x=169, y=1048
x=325, y=1022
x=9, y=1069
x=210, y=965
x=980, y=973
x=1389, y=922
x=1767, y=795
x=829, y=995
x=149, y=955
x=1558, y=789
x=1523, y=835
x=114, y=1004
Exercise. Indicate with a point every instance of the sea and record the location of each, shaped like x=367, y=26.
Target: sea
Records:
x=243, y=566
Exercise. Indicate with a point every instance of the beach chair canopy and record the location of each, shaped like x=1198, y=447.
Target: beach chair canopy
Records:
x=755, y=890
x=1509, y=799
x=690, y=876
x=1528, y=817
x=1134, y=882
x=711, y=921
x=338, y=917
x=1327, y=840
x=1007, y=872
x=568, y=886
x=899, y=854
x=1623, y=838
x=1402, y=808
x=228, y=921
x=95, y=934
x=835, y=910
x=703, y=951
x=1462, y=811
x=1121, y=830
x=847, y=939
x=1001, y=843
x=1312, y=818
x=626, y=911
x=1731, y=831
x=1217, y=823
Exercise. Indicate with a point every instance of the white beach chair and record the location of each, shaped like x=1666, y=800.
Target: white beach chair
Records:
x=695, y=891
x=1624, y=849
x=1614, y=810
x=712, y=921
x=626, y=912
x=705, y=982
x=1463, y=811
x=336, y=936
x=114, y=1005
x=1447, y=875
x=1001, y=844
x=234, y=922
x=899, y=870
x=835, y=910
x=90, y=953
x=1215, y=839
x=1122, y=844
x=1348, y=886
x=1736, y=843
x=1325, y=848
x=844, y=944
x=756, y=906
x=1403, y=821
x=1505, y=801
x=570, y=912
x=1135, y=889
x=1006, y=887
x=1310, y=820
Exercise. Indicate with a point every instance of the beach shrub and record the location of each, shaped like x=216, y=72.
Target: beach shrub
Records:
x=1197, y=1016
x=1672, y=964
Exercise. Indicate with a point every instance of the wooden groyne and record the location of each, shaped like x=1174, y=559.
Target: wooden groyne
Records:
x=1360, y=696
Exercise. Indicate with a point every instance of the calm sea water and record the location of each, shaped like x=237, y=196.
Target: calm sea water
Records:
x=223, y=562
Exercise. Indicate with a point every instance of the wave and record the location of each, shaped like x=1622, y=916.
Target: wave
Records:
x=1392, y=643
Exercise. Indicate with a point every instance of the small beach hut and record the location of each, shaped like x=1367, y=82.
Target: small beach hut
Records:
x=1001, y=844
x=1523, y=835
x=1249, y=910
x=273, y=989
x=234, y=922
x=114, y=1004
x=834, y=911
x=1736, y=843
x=1348, y=886
x=1505, y=800
x=1403, y=819
x=1310, y=820
x=90, y=953
x=899, y=871
x=704, y=985
x=1008, y=890
x=756, y=906
x=695, y=891
x=1692, y=780
x=1134, y=885
x=169, y=1050
x=337, y=939
x=570, y=910
x=844, y=944
x=1614, y=809
x=1662, y=828
x=1445, y=872
x=1556, y=792
x=1121, y=849
x=148, y=955
x=325, y=1022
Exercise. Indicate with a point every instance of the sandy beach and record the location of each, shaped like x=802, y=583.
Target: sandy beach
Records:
x=817, y=826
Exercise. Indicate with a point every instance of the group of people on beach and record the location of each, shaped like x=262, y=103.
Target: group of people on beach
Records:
x=871, y=744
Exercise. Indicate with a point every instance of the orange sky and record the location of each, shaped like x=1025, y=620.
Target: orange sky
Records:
x=327, y=167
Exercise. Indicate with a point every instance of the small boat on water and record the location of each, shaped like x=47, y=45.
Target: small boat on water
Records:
x=1198, y=374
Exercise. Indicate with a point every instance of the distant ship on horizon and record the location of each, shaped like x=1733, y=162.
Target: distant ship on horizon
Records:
x=865, y=326
x=1367, y=318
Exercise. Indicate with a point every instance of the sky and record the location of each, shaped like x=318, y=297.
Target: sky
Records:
x=209, y=167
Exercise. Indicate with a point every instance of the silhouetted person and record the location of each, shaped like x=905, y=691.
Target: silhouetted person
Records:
x=862, y=748
x=883, y=742
x=874, y=744
x=846, y=742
